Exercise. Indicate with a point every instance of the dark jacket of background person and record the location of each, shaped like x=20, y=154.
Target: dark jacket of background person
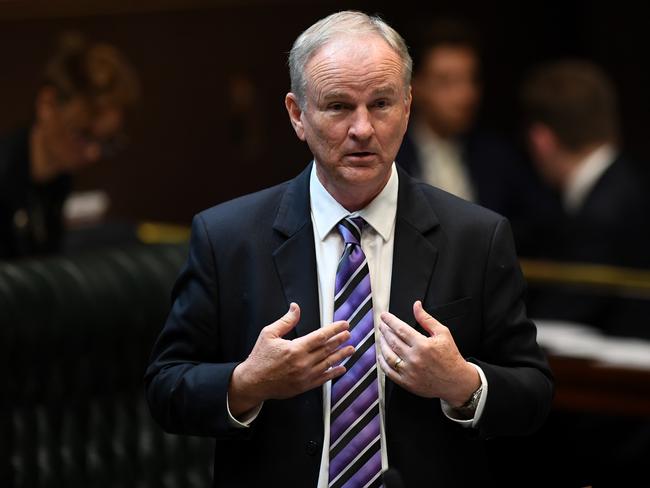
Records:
x=30, y=213
x=611, y=225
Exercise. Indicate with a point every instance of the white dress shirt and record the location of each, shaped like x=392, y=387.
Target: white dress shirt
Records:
x=586, y=176
x=441, y=162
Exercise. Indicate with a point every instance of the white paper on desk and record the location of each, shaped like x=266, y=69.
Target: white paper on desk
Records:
x=582, y=341
x=87, y=206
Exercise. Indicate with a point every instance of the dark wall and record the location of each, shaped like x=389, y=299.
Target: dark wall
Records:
x=212, y=123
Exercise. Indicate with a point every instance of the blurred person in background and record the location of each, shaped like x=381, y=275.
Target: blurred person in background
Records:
x=572, y=127
x=445, y=146
x=79, y=113
x=572, y=120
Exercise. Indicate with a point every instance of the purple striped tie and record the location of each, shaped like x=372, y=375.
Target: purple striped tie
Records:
x=355, y=449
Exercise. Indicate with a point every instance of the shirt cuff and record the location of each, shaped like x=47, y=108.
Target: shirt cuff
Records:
x=247, y=420
x=448, y=410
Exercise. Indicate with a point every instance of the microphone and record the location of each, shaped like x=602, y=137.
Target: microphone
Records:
x=392, y=479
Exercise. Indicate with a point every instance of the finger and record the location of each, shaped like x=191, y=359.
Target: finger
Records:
x=329, y=374
x=339, y=355
x=318, y=338
x=388, y=369
x=330, y=346
x=393, y=342
x=288, y=321
x=388, y=354
x=426, y=320
x=401, y=329
x=334, y=359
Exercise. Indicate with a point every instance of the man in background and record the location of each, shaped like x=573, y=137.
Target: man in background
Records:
x=445, y=144
x=572, y=121
x=572, y=127
x=79, y=113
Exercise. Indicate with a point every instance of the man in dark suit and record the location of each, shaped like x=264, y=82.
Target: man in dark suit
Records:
x=573, y=133
x=572, y=124
x=267, y=388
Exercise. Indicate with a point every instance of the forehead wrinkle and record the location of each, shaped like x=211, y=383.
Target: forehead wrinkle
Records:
x=388, y=89
x=328, y=78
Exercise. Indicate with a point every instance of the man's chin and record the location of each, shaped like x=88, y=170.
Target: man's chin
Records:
x=364, y=175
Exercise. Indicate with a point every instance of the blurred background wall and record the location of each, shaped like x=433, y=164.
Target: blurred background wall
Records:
x=212, y=123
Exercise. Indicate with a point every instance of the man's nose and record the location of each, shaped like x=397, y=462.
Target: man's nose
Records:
x=361, y=127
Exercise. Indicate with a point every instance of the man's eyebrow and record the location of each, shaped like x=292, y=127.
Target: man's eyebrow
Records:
x=382, y=91
x=385, y=91
x=335, y=95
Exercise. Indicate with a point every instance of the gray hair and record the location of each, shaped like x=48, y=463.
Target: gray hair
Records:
x=342, y=23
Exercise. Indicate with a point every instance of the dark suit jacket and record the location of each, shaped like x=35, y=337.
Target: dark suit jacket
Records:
x=612, y=225
x=249, y=258
x=41, y=205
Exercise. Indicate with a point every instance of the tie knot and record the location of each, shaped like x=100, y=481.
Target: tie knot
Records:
x=350, y=229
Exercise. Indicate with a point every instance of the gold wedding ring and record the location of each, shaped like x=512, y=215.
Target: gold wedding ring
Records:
x=397, y=363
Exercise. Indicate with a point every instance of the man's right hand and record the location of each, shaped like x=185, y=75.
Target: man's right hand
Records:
x=279, y=368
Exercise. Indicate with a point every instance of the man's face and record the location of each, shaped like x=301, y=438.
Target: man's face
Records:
x=545, y=150
x=355, y=113
x=446, y=89
x=77, y=133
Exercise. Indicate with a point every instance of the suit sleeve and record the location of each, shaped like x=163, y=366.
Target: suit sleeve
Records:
x=185, y=383
x=521, y=384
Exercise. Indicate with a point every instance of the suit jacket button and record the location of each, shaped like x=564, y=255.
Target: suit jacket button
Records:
x=312, y=448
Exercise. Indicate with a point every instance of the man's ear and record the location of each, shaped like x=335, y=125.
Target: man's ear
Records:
x=542, y=140
x=46, y=103
x=409, y=101
x=295, y=114
x=417, y=86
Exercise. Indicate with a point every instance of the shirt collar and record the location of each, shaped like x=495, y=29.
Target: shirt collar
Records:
x=586, y=176
x=379, y=213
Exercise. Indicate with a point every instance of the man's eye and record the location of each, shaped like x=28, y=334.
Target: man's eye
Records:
x=381, y=103
x=337, y=107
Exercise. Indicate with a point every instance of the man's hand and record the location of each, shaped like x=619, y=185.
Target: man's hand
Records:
x=430, y=366
x=279, y=368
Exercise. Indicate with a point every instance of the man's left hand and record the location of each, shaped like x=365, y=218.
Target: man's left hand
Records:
x=426, y=366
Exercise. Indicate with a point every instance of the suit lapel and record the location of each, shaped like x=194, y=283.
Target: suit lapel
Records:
x=414, y=255
x=295, y=262
x=295, y=258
